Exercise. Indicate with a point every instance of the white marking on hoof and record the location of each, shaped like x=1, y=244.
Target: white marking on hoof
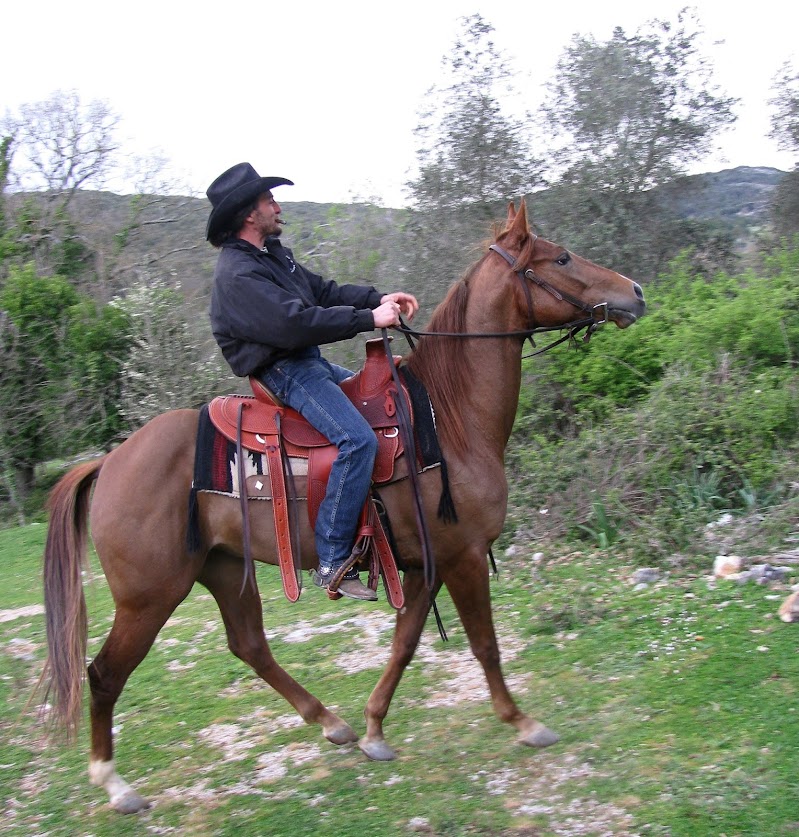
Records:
x=121, y=795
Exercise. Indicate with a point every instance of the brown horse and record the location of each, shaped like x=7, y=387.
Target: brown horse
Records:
x=139, y=518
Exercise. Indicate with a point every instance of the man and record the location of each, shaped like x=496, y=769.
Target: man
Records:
x=269, y=316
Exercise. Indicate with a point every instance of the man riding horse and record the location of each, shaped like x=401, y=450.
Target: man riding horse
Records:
x=133, y=499
x=269, y=316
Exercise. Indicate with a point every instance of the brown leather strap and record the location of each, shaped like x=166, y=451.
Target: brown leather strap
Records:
x=388, y=566
x=406, y=429
x=249, y=566
x=280, y=508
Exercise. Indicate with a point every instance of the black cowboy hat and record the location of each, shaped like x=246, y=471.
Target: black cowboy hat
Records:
x=233, y=190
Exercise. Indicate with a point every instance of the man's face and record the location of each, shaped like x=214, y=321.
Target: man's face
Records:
x=266, y=216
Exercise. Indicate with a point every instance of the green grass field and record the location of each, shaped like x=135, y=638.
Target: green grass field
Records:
x=676, y=703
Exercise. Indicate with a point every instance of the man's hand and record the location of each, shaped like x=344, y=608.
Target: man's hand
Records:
x=407, y=303
x=387, y=314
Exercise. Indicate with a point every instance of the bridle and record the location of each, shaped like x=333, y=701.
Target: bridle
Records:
x=562, y=296
x=590, y=323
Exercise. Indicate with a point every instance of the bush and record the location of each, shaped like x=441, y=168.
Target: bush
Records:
x=652, y=476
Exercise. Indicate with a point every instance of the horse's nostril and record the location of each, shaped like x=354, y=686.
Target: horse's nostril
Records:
x=638, y=291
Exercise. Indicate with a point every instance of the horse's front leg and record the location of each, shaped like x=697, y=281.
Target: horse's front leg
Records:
x=243, y=617
x=410, y=621
x=468, y=585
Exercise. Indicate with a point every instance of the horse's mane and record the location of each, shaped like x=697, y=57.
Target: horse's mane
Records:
x=442, y=366
x=440, y=362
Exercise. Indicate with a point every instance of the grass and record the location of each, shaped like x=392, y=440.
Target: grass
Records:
x=676, y=704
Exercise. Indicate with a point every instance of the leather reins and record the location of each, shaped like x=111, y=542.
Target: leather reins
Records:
x=405, y=426
x=591, y=323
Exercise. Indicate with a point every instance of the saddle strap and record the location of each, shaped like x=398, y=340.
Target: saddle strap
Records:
x=249, y=566
x=406, y=428
x=280, y=508
x=388, y=566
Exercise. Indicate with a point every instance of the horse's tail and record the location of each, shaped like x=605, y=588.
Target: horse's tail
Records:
x=64, y=602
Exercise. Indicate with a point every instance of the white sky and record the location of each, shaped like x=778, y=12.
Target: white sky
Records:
x=328, y=93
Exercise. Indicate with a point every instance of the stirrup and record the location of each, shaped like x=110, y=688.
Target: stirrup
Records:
x=343, y=580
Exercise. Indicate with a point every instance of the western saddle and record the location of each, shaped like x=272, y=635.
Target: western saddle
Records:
x=263, y=424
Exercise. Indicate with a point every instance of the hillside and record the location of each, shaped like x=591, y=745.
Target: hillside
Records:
x=165, y=235
x=732, y=195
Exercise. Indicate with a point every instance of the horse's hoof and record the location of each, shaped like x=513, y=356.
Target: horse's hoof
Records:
x=377, y=749
x=130, y=803
x=343, y=733
x=539, y=736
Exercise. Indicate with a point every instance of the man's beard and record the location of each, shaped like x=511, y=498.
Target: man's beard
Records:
x=271, y=229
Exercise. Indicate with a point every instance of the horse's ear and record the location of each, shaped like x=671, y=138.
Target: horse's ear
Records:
x=517, y=221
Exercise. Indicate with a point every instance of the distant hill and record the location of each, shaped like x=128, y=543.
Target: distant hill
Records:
x=742, y=194
x=168, y=237
x=171, y=238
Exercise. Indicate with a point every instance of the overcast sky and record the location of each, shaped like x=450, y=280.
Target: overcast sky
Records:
x=328, y=93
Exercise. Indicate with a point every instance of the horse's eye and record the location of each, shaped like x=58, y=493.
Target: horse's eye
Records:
x=563, y=260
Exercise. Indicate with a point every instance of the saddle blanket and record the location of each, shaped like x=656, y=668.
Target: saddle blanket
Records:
x=217, y=470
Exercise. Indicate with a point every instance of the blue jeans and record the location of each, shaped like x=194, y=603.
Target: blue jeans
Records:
x=310, y=384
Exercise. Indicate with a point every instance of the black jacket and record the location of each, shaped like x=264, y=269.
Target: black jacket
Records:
x=265, y=306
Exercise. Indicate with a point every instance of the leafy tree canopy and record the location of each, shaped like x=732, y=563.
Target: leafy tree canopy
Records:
x=627, y=115
x=785, y=129
x=471, y=154
x=785, y=119
x=637, y=108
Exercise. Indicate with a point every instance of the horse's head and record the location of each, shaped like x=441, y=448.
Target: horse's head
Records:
x=559, y=287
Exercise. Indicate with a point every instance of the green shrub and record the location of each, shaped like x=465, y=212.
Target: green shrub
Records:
x=652, y=476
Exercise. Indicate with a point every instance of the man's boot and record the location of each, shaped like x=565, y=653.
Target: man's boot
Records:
x=349, y=584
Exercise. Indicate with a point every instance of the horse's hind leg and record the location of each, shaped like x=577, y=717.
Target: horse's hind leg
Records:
x=243, y=617
x=410, y=622
x=468, y=586
x=131, y=637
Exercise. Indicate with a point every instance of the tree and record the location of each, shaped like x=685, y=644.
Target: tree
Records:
x=63, y=349
x=34, y=390
x=61, y=355
x=785, y=119
x=5, y=169
x=98, y=343
x=626, y=116
x=472, y=158
x=8, y=246
x=471, y=155
x=64, y=144
x=168, y=366
x=785, y=129
x=60, y=145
